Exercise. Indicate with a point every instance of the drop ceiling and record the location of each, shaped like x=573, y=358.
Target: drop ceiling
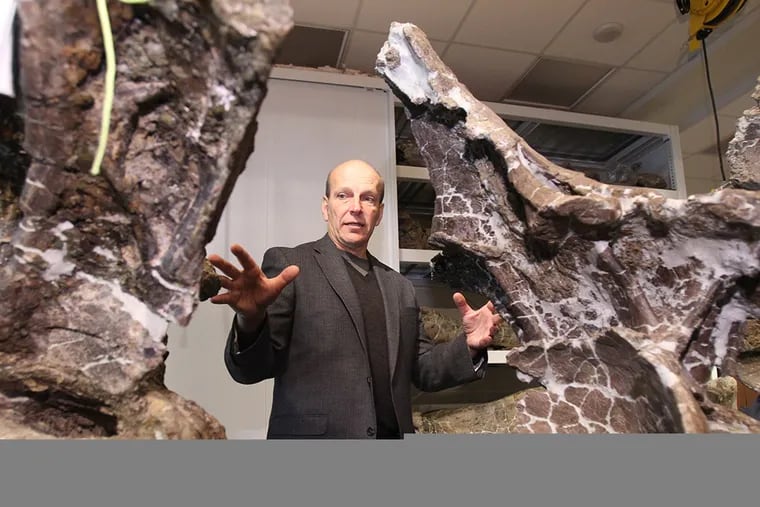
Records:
x=543, y=52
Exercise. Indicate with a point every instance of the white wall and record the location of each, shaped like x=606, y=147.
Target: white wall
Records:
x=305, y=129
x=7, y=11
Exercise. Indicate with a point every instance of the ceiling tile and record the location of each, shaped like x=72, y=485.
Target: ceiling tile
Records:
x=617, y=91
x=641, y=20
x=542, y=86
x=520, y=26
x=437, y=19
x=336, y=13
x=667, y=51
x=363, y=47
x=487, y=73
x=308, y=46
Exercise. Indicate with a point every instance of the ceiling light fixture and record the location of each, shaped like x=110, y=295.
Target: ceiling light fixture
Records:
x=608, y=32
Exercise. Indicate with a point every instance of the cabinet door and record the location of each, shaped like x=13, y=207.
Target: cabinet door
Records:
x=305, y=129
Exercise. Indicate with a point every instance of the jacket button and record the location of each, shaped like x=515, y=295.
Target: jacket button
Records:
x=370, y=431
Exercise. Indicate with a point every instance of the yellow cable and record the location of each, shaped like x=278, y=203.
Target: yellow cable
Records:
x=110, y=83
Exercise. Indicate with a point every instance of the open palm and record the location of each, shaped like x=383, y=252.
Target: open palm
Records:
x=249, y=290
x=479, y=325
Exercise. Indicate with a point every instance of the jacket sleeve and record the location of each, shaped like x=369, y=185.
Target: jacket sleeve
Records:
x=443, y=365
x=267, y=356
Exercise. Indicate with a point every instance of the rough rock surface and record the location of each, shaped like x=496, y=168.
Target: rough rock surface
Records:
x=94, y=267
x=210, y=281
x=622, y=299
x=743, y=154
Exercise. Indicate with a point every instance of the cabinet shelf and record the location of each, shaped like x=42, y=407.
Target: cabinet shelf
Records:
x=412, y=173
x=497, y=356
x=416, y=255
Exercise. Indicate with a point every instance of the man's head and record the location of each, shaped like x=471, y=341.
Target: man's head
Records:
x=352, y=205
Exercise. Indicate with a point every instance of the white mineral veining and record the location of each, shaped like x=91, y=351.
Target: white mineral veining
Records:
x=602, y=190
x=694, y=358
x=720, y=257
x=512, y=159
x=223, y=96
x=153, y=323
x=741, y=131
x=408, y=76
x=195, y=130
x=59, y=229
x=55, y=258
x=25, y=227
x=115, y=219
x=34, y=183
x=559, y=389
x=106, y=359
x=536, y=169
x=669, y=345
x=99, y=250
x=669, y=379
x=732, y=313
x=57, y=265
x=629, y=204
x=163, y=232
x=601, y=246
x=523, y=377
x=463, y=101
x=171, y=286
x=715, y=197
x=64, y=343
x=672, y=208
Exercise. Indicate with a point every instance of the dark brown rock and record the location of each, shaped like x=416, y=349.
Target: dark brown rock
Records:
x=93, y=268
x=210, y=282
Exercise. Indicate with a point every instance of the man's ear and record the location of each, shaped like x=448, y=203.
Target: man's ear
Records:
x=380, y=214
x=324, y=208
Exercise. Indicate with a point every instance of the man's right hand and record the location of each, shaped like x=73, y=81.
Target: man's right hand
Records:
x=249, y=291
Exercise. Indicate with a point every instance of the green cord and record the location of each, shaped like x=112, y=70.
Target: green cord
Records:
x=110, y=84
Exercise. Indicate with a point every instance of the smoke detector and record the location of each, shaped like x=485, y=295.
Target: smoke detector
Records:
x=608, y=32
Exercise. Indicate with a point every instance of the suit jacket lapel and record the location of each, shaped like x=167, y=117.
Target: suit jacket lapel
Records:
x=392, y=316
x=333, y=266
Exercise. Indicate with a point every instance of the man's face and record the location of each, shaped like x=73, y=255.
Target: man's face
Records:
x=353, y=208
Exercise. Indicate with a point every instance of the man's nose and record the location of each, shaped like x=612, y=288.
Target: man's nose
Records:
x=355, y=206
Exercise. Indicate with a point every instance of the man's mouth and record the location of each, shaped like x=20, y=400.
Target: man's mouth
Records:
x=354, y=224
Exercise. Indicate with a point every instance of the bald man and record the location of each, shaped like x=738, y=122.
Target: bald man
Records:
x=338, y=330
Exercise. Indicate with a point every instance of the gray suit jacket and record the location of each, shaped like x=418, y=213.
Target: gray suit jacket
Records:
x=313, y=344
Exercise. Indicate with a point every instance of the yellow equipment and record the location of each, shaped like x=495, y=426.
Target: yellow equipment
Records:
x=706, y=15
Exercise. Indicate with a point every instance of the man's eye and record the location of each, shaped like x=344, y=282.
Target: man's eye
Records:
x=341, y=195
x=370, y=199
